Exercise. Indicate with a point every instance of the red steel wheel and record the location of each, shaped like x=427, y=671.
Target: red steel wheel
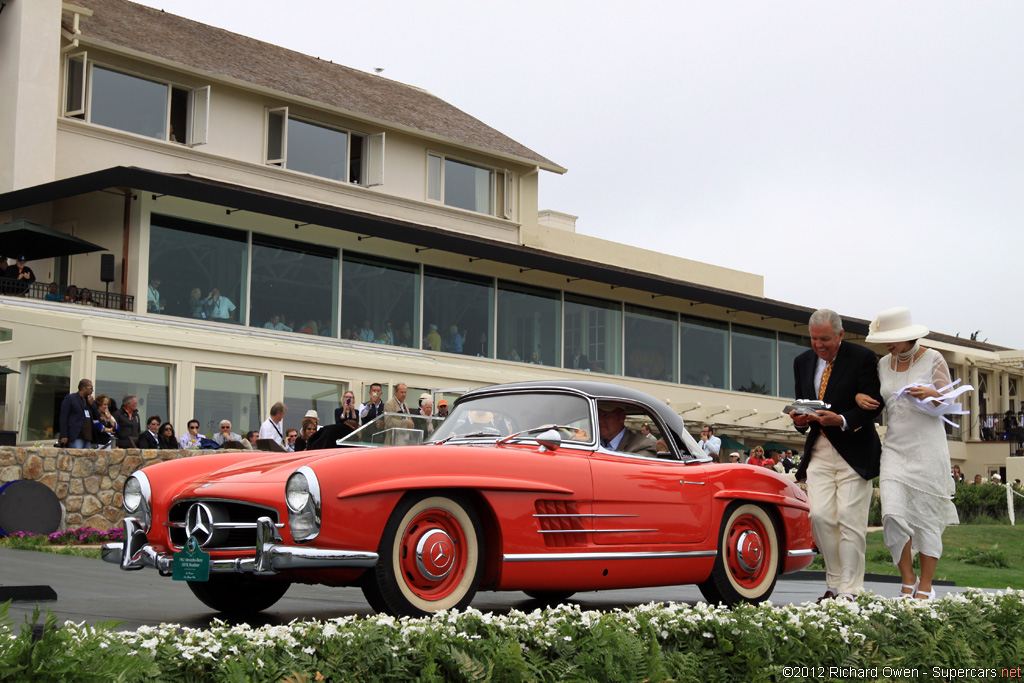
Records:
x=430, y=556
x=748, y=559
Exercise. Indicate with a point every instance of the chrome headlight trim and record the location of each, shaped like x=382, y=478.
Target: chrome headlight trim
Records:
x=304, y=524
x=138, y=504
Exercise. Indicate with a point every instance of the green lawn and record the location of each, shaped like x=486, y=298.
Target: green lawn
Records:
x=979, y=555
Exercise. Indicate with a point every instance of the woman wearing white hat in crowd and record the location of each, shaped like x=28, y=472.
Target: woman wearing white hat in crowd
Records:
x=914, y=482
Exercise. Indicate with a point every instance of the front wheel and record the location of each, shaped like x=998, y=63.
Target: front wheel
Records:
x=234, y=595
x=747, y=565
x=431, y=557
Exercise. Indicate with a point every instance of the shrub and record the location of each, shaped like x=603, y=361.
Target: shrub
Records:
x=975, y=502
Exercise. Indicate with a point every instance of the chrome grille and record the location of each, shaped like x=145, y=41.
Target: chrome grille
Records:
x=235, y=523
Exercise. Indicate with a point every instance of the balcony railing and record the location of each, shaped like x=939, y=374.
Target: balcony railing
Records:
x=69, y=294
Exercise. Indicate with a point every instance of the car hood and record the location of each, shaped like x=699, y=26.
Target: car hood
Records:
x=265, y=469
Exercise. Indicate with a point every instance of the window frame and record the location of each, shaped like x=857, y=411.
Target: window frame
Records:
x=371, y=173
x=508, y=185
x=197, y=109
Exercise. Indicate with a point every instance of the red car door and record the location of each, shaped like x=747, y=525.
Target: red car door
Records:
x=641, y=501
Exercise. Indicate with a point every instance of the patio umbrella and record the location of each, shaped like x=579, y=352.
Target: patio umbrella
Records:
x=731, y=444
x=4, y=370
x=34, y=241
x=774, y=446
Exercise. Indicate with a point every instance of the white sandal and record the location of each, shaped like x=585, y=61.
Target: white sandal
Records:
x=928, y=595
x=913, y=589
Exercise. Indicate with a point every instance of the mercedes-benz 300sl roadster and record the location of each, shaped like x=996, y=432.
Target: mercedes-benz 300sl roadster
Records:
x=542, y=487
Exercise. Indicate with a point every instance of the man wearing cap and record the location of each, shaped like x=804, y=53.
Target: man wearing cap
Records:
x=842, y=452
x=734, y=458
x=442, y=409
x=313, y=415
x=21, y=276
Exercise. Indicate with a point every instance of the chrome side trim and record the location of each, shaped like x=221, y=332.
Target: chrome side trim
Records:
x=695, y=483
x=591, y=531
x=581, y=515
x=562, y=557
x=801, y=553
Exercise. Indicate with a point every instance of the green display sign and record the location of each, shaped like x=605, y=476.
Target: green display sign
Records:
x=192, y=563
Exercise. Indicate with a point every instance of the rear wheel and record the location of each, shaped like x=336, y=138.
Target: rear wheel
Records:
x=747, y=565
x=238, y=595
x=431, y=557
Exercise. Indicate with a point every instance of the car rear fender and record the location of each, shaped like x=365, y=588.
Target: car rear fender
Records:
x=772, y=499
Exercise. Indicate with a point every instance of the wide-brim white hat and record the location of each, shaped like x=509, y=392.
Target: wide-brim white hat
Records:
x=894, y=325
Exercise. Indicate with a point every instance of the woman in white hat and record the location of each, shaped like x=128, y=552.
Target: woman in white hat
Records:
x=915, y=485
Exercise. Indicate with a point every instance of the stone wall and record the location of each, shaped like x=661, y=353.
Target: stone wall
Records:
x=88, y=483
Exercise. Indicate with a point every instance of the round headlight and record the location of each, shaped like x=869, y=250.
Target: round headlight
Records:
x=296, y=492
x=132, y=494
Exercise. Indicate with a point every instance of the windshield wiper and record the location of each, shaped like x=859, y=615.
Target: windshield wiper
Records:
x=472, y=435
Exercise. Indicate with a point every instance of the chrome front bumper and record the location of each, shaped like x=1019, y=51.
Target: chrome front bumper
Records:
x=135, y=552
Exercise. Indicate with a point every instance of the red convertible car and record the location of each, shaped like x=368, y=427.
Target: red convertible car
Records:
x=542, y=487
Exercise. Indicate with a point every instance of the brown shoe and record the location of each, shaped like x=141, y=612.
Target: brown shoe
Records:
x=829, y=595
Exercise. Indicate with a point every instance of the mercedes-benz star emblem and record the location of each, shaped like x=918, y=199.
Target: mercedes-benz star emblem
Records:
x=439, y=554
x=199, y=523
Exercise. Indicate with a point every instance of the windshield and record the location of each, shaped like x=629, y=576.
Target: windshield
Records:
x=392, y=429
x=492, y=417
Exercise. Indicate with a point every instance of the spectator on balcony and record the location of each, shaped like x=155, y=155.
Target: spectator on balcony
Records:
x=988, y=424
x=366, y=332
x=275, y=323
x=51, y=291
x=225, y=433
x=71, y=295
x=196, y=304
x=454, y=342
x=151, y=437
x=219, y=307
x=405, y=338
x=128, y=425
x=432, y=340
x=77, y=411
x=21, y=276
x=153, y=304
x=166, y=438
x=190, y=439
x=85, y=298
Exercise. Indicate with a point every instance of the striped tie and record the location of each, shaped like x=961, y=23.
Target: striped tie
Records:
x=824, y=380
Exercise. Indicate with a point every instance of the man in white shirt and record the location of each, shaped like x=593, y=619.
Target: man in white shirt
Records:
x=710, y=443
x=153, y=297
x=271, y=427
x=220, y=307
x=276, y=324
x=190, y=439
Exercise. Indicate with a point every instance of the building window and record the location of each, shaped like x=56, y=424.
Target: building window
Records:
x=47, y=382
x=294, y=286
x=529, y=324
x=790, y=346
x=462, y=308
x=150, y=382
x=704, y=352
x=301, y=395
x=221, y=395
x=322, y=150
x=466, y=186
x=753, y=360
x=135, y=104
x=197, y=270
x=652, y=344
x=593, y=335
x=6, y=334
x=380, y=300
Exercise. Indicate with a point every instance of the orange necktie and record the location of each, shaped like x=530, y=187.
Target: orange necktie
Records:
x=824, y=380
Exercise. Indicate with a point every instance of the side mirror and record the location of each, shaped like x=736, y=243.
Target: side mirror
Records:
x=549, y=440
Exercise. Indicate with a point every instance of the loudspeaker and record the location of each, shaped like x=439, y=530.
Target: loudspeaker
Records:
x=106, y=267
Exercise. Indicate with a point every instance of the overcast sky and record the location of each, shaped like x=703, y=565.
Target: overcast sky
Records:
x=859, y=155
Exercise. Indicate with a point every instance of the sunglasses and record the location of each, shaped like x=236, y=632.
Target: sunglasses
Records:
x=225, y=427
x=154, y=424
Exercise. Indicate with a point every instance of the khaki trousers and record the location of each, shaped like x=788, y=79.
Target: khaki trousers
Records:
x=840, y=500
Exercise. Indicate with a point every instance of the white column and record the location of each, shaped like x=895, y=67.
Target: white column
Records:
x=1004, y=391
x=30, y=82
x=974, y=434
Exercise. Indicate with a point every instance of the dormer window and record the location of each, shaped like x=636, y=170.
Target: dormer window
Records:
x=135, y=104
x=468, y=186
x=322, y=150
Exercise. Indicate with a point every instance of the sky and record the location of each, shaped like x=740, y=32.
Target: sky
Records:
x=858, y=155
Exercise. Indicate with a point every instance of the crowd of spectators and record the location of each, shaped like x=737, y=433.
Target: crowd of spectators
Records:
x=1002, y=426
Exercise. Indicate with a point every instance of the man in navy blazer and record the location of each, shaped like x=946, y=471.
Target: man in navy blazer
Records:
x=77, y=411
x=842, y=451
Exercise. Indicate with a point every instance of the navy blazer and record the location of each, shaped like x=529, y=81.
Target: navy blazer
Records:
x=855, y=371
x=147, y=440
x=72, y=415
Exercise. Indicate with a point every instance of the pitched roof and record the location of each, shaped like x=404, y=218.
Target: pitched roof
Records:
x=222, y=53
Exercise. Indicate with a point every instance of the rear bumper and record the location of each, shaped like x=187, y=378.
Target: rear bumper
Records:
x=135, y=552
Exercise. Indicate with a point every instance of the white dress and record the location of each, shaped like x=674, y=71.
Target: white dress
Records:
x=915, y=485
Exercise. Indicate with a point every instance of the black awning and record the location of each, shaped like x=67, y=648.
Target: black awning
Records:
x=22, y=238
x=304, y=211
